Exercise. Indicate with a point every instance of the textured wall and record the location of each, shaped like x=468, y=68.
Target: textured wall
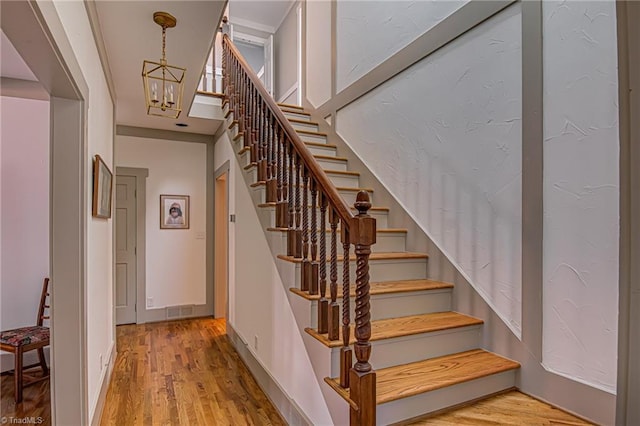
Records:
x=175, y=258
x=581, y=191
x=444, y=137
x=368, y=32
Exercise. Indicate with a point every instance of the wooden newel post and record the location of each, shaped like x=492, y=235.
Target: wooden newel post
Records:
x=362, y=377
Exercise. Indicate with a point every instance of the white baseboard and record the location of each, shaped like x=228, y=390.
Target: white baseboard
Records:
x=104, y=387
x=286, y=406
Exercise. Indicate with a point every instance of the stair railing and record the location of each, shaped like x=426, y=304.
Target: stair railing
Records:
x=299, y=187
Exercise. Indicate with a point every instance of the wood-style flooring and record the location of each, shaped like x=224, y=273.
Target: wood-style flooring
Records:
x=183, y=373
x=36, y=402
x=508, y=409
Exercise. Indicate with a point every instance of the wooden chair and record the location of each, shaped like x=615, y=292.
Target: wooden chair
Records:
x=25, y=339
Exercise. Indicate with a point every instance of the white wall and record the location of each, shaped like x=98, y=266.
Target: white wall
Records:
x=581, y=191
x=176, y=259
x=285, y=51
x=24, y=210
x=99, y=296
x=258, y=300
x=318, y=48
x=444, y=137
x=368, y=32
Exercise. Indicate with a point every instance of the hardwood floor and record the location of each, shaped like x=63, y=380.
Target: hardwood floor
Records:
x=36, y=402
x=508, y=409
x=183, y=373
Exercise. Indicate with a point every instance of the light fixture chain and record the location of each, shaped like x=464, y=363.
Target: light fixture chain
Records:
x=164, y=36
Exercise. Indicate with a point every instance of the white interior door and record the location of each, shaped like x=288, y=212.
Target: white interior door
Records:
x=268, y=64
x=125, y=249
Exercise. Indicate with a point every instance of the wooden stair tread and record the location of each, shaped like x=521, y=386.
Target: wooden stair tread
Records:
x=374, y=256
x=328, y=157
x=273, y=204
x=404, y=326
x=383, y=287
x=411, y=379
x=210, y=94
x=339, y=188
x=283, y=105
x=310, y=132
x=379, y=230
x=341, y=172
x=295, y=120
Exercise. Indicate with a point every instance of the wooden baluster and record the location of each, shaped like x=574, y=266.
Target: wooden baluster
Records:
x=297, y=243
x=291, y=248
x=312, y=279
x=272, y=181
x=362, y=377
x=306, y=265
x=323, y=304
x=262, y=162
x=345, y=351
x=334, y=308
x=255, y=140
x=242, y=106
x=281, y=167
x=246, y=134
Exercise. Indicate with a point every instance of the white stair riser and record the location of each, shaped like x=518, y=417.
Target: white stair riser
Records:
x=340, y=165
x=381, y=270
x=327, y=151
x=345, y=181
x=406, y=408
x=306, y=137
x=308, y=126
x=397, y=305
x=296, y=116
x=403, y=350
x=379, y=215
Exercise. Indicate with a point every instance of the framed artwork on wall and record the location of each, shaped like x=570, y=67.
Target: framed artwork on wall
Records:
x=102, y=188
x=174, y=212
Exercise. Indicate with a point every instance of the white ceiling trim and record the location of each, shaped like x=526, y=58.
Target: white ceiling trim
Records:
x=255, y=25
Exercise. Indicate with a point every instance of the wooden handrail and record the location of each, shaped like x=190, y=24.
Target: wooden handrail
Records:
x=323, y=181
x=298, y=185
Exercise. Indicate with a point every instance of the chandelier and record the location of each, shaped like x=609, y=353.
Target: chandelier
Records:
x=163, y=83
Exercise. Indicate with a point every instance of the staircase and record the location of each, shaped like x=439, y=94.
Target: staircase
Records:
x=425, y=356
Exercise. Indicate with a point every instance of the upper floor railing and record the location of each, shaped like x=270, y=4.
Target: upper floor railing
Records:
x=305, y=200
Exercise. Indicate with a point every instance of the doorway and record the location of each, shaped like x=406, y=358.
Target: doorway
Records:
x=258, y=52
x=221, y=248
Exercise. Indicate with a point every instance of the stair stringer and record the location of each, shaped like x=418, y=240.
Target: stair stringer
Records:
x=319, y=355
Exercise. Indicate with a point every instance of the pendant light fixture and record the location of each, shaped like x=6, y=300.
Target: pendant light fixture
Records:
x=163, y=83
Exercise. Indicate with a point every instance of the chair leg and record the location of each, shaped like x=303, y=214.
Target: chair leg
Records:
x=17, y=376
x=43, y=362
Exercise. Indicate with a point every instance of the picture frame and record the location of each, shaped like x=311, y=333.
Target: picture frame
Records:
x=174, y=211
x=102, y=189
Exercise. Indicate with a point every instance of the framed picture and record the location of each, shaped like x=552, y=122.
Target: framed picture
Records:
x=174, y=212
x=102, y=185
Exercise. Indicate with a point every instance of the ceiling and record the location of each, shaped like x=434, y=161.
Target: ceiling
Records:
x=130, y=36
x=11, y=63
x=267, y=14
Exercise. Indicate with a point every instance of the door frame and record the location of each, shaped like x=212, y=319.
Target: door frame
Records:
x=38, y=35
x=224, y=168
x=141, y=175
x=628, y=387
x=259, y=41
